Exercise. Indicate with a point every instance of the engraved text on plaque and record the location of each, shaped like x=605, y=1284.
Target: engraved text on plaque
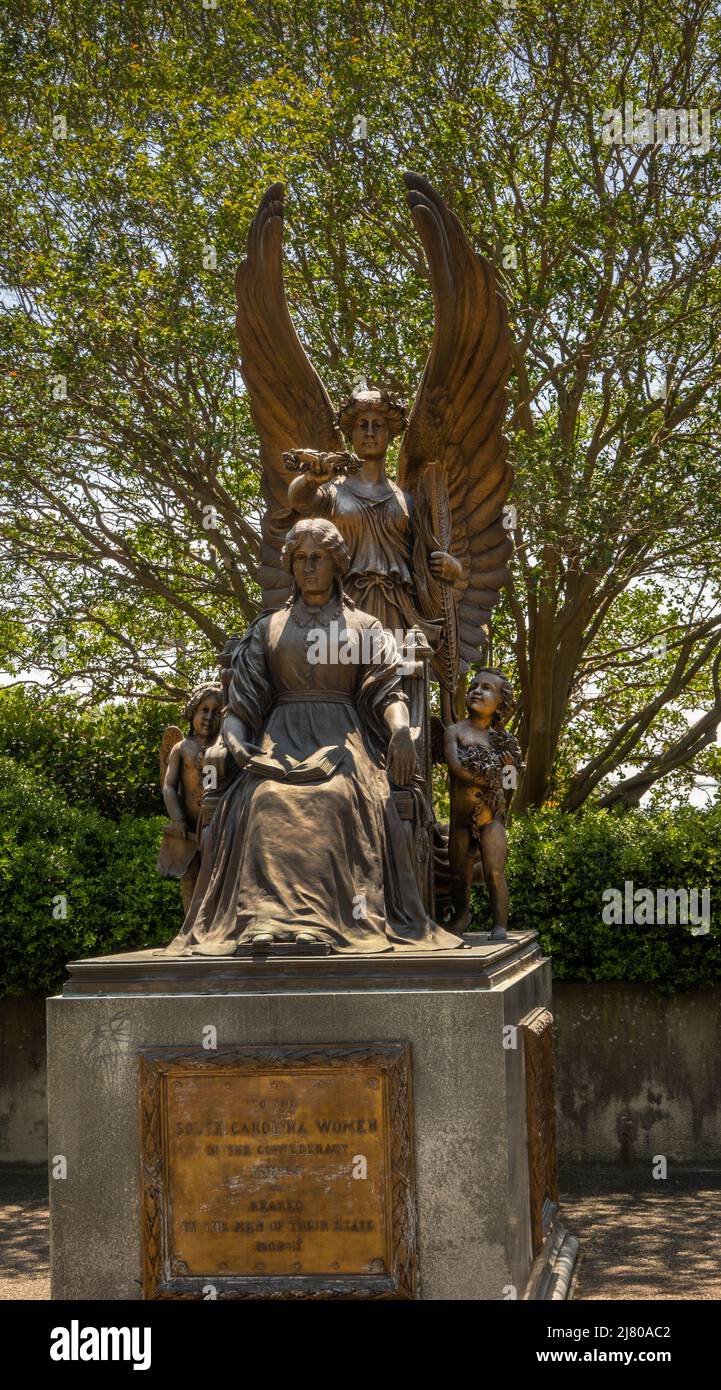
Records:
x=277, y=1170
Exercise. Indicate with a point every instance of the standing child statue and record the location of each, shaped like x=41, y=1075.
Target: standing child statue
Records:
x=181, y=780
x=480, y=753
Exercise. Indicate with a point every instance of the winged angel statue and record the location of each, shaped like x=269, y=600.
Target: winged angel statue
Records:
x=428, y=551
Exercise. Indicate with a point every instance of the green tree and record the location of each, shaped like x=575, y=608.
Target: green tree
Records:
x=130, y=506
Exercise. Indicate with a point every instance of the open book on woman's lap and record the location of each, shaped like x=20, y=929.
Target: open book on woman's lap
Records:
x=282, y=767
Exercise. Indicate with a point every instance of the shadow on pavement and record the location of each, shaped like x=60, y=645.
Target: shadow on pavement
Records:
x=643, y=1237
x=24, y=1241
x=640, y=1237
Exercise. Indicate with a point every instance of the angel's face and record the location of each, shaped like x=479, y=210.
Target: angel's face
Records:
x=314, y=571
x=370, y=435
x=206, y=720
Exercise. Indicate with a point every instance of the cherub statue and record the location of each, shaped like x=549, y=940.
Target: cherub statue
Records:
x=181, y=780
x=479, y=751
x=428, y=551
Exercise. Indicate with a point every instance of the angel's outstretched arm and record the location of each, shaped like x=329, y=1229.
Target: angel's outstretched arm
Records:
x=303, y=491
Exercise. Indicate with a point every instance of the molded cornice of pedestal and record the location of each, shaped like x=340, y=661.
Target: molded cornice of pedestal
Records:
x=481, y=967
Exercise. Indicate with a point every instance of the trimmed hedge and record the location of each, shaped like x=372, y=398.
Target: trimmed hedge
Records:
x=560, y=865
x=104, y=869
x=105, y=758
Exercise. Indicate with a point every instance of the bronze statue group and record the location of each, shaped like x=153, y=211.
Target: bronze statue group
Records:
x=300, y=802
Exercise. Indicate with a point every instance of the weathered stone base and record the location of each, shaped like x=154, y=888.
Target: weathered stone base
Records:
x=474, y=1196
x=552, y=1271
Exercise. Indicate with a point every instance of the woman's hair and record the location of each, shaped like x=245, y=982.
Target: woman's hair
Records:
x=508, y=699
x=320, y=532
x=197, y=696
x=381, y=402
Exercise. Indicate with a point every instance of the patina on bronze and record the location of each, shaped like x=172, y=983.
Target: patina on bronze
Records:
x=181, y=782
x=306, y=845
x=480, y=752
x=428, y=550
x=456, y=422
x=280, y=1171
x=322, y=832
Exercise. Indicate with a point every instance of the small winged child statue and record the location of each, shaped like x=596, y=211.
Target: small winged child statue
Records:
x=181, y=781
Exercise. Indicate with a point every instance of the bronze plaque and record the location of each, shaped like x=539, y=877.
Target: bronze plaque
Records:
x=280, y=1171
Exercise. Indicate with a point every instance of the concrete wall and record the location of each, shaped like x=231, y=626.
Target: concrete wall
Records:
x=23, y=1117
x=638, y=1075
x=635, y=1075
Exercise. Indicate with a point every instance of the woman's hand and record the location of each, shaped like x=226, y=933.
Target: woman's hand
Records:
x=242, y=752
x=235, y=737
x=401, y=757
x=445, y=566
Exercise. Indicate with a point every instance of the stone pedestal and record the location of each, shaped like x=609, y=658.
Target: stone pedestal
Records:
x=476, y=1025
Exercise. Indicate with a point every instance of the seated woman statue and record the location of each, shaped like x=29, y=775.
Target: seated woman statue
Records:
x=306, y=844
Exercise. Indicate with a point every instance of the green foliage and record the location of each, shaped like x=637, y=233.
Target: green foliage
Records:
x=178, y=118
x=104, y=869
x=104, y=864
x=120, y=237
x=105, y=758
x=560, y=865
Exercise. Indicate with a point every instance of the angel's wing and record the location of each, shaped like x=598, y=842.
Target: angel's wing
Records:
x=457, y=416
x=289, y=404
x=171, y=736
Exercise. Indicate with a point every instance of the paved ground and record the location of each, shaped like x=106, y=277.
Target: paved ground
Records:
x=24, y=1245
x=640, y=1238
x=644, y=1238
